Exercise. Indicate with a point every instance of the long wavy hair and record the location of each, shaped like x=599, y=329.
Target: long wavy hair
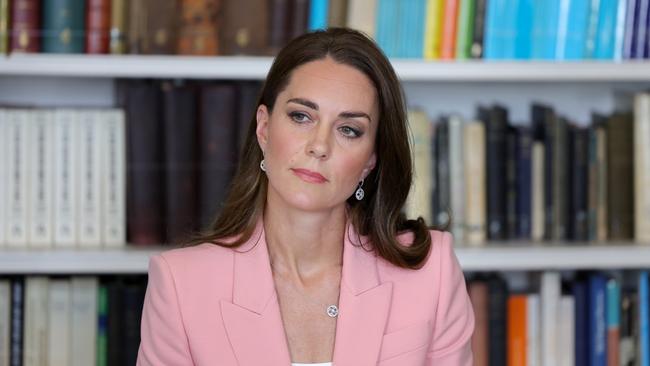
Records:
x=379, y=215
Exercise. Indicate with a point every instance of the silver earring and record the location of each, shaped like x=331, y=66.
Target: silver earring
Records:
x=359, y=193
x=262, y=165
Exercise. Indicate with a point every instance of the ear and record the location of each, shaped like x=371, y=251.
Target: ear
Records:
x=262, y=117
x=370, y=165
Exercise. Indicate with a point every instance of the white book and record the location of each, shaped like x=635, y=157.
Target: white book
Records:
x=457, y=177
x=4, y=174
x=36, y=320
x=89, y=163
x=41, y=170
x=550, y=299
x=59, y=323
x=362, y=15
x=66, y=193
x=475, y=204
x=537, y=181
x=17, y=213
x=533, y=329
x=113, y=178
x=84, y=321
x=566, y=328
x=642, y=167
x=5, y=321
x=419, y=199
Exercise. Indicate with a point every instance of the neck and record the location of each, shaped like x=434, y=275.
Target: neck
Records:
x=302, y=244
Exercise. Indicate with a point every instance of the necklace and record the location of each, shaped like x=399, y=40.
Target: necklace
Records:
x=332, y=310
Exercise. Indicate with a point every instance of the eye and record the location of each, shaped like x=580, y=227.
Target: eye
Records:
x=350, y=132
x=299, y=117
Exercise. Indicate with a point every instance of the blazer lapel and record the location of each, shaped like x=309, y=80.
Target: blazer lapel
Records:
x=364, y=306
x=253, y=321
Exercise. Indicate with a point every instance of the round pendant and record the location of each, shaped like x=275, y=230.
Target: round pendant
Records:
x=332, y=311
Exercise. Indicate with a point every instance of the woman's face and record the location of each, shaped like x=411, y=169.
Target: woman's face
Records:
x=319, y=141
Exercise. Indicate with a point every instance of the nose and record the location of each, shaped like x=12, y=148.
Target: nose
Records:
x=319, y=143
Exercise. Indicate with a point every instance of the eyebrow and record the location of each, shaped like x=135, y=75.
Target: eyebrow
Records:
x=347, y=114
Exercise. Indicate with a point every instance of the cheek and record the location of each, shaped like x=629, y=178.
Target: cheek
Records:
x=283, y=143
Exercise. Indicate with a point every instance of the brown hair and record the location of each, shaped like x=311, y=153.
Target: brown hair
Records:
x=387, y=186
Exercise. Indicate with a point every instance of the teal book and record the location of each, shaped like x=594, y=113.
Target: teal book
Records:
x=64, y=26
x=545, y=28
x=318, y=14
x=574, y=39
x=523, y=29
x=606, y=30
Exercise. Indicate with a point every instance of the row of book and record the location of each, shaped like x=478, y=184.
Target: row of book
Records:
x=73, y=321
x=550, y=180
x=580, y=319
x=153, y=171
x=186, y=27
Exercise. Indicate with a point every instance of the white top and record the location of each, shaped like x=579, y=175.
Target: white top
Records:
x=312, y=364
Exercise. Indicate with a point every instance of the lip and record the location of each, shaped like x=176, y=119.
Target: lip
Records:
x=309, y=176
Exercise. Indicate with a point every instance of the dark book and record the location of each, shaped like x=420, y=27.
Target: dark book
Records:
x=17, y=322
x=217, y=145
x=620, y=156
x=25, y=22
x=200, y=27
x=298, y=18
x=4, y=26
x=98, y=24
x=132, y=302
x=115, y=322
x=496, y=126
x=145, y=179
x=560, y=177
x=631, y=20
x=244, y=23
x=64, y=26
x=629, y=327
x=179, y=116
x=498, y=303
x=476, y=50
x=248, y=94
x=511, y=182
x=524, y=182
x=581, y=298
x=580, y=185
x=540, y=116
x=136, y=37
x=102, y=325
x=279, y=24
x=119, y=22
x=442, y=203
x=162, y=27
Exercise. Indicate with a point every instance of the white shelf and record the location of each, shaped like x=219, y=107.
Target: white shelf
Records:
x=244, y=67
x=492, y=258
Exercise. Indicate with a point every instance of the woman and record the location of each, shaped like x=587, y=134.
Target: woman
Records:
x=311, y=260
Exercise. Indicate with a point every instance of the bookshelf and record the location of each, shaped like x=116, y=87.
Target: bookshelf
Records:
x=510, y=256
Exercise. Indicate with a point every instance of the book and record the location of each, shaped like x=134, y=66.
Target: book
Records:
x=613, y=308
x=517, y=331
x=102, y=325
x=337, y=13
x=199, y=29
x=91, y=144
x=113, y=165
x=498, y=298
x=66, y=141
x=59, y=324
x=83, y=329
x=476, y=50
x=479, y=296
x=641, y=167
x=64, y=26
x=299, y=16
x=418, y=202
x=566, y=329
x=533, y=326
x=4, y=174
x=433, y=29
x=17, y=318
x=41, y=178
x=550, y=292
x=475, y=200
x=161, y=30
x=442, y=200
x=319, y=14
x=457, y=177
x=5, y=321
x=98, y=26
x=496, y=122
x=524, y=182
x=538, y=215
x=464, y=29
x=620, y=180
x=36, y=318
x=4, y=26
x=448, y=46
x=244, y=26
x=17, y=205
x=278, y=24
x=24, y=20
x=597, y=320
x=118, y=27
x=361, y=16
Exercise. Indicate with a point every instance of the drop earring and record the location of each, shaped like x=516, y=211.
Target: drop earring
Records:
x=359, y=193
x=263, y=165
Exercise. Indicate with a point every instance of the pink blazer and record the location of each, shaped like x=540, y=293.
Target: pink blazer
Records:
x=214, y=306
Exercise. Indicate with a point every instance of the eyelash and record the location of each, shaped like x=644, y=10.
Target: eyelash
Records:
x=295, y=116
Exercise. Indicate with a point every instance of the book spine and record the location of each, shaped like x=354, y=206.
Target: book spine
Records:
x=300, y=16
x=433, y=25
x=550, y=298
x=479, y=296
x=538, y=191
x=90, y=182
x=464, y=29
x=644, y=320
x=318, y=14
x=361, y=16
x=4, y=27
x=418, y=203
x=576, y=37
x=98, y=24
x=579, y=194
x=638, y=49
x=337, y=13
x=494, y=22
x=517, y=332
x=18, y=184
x=475, y=206
x=642, y=167
x=476, y=51
x=4, y=174
x=162, y=29
x=524, y=183
x=566, y=328
x=5, y=321
x=619, y=29
x=65, y=182
x=83, y=340
x=17, y=322
x=522, y=28
x=449, y=30
x=613, y=308
x=114, y=169
x=629, y=39
x=64, y=26
x=102, y=331
x=597, y=320
x=620, y=176
x=35, y=321
x=278, y=20
x=200, y=29
x=512, y=217
x=25, y=24
x=496, y=172
x=457, y=175
x=41, y=171
x=533, y=326
x=498, y=298
x=443, y=204
x=59, y=325
x=580, y=296
x=606, y=31
x=118, y=27
x=602, y=208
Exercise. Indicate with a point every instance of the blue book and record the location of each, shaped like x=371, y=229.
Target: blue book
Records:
x=631, y=19
x=573, y=45
x=381, y=20
x=544, y=31
x=579, y=290
x=613, y=304
x=597, y=320
x=523, y=28
x=494, y=23
x=606, y=30
x=638, y=51
x=644, y=320
x=405, y=13
x=318, y=13
x=419, y=20
x=508, y=25
x=524, y=182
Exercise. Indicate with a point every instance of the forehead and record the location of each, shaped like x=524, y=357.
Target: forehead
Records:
x=326, y=81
